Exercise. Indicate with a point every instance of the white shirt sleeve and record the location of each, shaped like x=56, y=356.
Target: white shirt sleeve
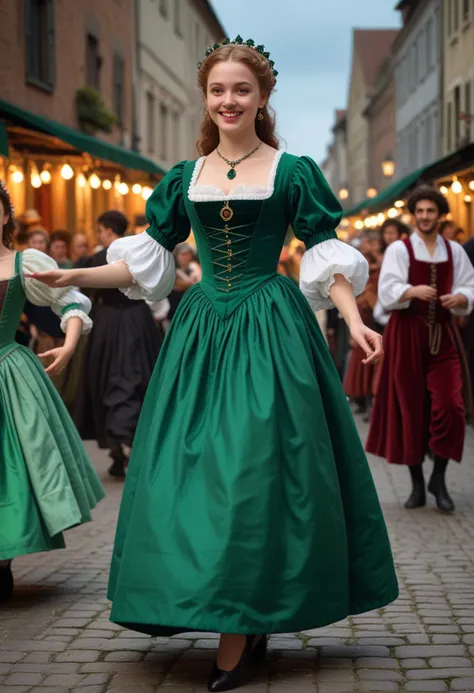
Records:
x=152, y=267
x=66, y=303
x=463, y=280
x=393, y=280
x=322, y=262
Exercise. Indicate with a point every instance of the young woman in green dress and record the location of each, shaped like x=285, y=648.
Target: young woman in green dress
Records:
x=248, y=507
x=47, y=483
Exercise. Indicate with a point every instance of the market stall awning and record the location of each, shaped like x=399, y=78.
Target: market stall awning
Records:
x=445, y=166
x=3, y=140
x=15, y=115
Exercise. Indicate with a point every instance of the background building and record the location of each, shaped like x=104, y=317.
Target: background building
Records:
x=458, y=77
x=335, y=165
x=171, y=38
x=418, y=69
x=370, y=49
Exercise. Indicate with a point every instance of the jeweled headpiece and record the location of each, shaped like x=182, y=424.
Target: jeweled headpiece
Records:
x=238, y=41
x=4, y=188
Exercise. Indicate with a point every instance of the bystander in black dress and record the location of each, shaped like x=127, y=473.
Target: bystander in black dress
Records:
x=120, y=356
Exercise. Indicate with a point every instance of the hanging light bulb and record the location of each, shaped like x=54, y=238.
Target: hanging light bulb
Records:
x=123, y=189
x=66, y=172
x=107, y=184
x=380, y=218
x=17, y=176
x=146, y=192
x=36, y=180
x=136, y=189
x=94, y=181
x=117, y=183
x=471, y=184
x=392, y=213
x=467, y=198
x=45, y=176
x=399, y=204
x=456, y=187
x=359, y=225
x=444, y=190
x=371, y=192
x=81, y=180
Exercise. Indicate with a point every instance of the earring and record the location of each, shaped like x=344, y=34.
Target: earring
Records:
x=260, y=114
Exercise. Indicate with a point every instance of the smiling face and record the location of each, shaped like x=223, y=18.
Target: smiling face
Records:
x=233, y=97
x=427, y=216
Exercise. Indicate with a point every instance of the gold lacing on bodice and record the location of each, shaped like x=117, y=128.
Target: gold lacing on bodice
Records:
x=229, y=255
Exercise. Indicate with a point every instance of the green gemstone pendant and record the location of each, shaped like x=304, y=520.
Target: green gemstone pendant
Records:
x=231, y=174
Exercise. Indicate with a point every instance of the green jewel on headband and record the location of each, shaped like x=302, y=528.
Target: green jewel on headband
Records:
x=238, y=41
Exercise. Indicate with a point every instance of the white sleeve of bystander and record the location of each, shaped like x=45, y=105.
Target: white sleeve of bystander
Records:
x=463, y=280
x=150, y=264
x=393, y=280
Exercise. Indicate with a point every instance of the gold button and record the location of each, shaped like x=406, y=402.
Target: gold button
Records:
x=229, y=285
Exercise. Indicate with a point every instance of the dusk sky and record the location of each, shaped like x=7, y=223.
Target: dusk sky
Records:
x=311, y=43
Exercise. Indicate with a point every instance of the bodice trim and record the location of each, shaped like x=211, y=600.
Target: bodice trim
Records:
x=211, y=193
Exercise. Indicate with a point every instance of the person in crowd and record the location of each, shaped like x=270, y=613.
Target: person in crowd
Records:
x=425, y=279
x=249, y=507
x=59, y=248
x=39, y=239
x=79, y=246
x=48, y=484
x=119, y=357
x=451, y=231
x=187, y=273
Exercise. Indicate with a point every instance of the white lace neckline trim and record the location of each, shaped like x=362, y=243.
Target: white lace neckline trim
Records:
x=211, y=193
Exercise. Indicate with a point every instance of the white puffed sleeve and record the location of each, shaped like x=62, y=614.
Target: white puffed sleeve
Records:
x=150, y=264
x=322, y=262
x=67, y=302
x=393, y=280
x=463, y=280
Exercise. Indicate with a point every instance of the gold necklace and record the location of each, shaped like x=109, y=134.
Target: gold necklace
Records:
x=232, y=172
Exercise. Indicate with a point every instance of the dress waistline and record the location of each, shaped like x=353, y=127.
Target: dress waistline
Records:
x=7, y=350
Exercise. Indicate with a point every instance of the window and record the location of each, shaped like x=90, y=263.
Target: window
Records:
x=164, y=8
x=455, y=4
x=93, y=61
x=449, y=126
x=427, y=153
x=177, y=17
x=150, y=121
x=449, y=10
x=429, y=45
x=164, y=131
x=466, y=10
x=176, y=136
x=457, y=114
x=467, y=111
x=40, y=44
x=118, y=86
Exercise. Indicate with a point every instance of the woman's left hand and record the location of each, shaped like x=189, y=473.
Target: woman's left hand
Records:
x=369, y=341
x=61, y=357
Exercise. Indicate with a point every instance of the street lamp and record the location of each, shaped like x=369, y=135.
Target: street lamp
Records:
x=388, y=166
x=343, y=194
x=371, y=192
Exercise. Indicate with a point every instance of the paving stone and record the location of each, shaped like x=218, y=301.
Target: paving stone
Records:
x=78, y=656
x=426, y=687
x=463, y=685
x=439, y=673
x=447, y=662
x=417, y=651
x=23, y=679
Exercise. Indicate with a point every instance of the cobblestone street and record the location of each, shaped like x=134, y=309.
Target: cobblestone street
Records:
x=55, y=636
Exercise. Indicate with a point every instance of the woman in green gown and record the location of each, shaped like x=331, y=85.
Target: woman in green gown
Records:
x=248, y=507
x=47, y=483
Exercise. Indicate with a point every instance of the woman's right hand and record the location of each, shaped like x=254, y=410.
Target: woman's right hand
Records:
x=424, y=292
x=54, y=278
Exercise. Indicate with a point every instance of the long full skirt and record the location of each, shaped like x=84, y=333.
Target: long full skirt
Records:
x=249, y=506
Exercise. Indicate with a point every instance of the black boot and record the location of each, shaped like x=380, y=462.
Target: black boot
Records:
x=221, y=680
x=120, y=461
x=437, y=485
x=6, y=583
x=417, y=498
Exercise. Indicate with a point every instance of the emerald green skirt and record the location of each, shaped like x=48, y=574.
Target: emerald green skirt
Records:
x=47, y=483
x=249, y=506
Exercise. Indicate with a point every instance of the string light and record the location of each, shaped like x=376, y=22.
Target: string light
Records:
x=471, y=184
x=359, y=225
x=467, y=198
x=107, y=184
x=399, y=204
x=36, y=180
x=136, y=189
x=380, y=218
x=123, y=189
x=456, y=186
x=81, y=180
x=392, y=213
x=94, y=181
x=45, y=176
x=66, y=172
x=371, y=192
x=18, y=177
x=343, y=194
x=146, y=192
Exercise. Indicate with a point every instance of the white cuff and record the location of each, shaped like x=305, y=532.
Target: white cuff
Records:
x=461, y=312
x=322, y=262
x=151, y=266
x=76, y=313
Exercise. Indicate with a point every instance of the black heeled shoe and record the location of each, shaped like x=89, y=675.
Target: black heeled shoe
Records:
x=221, y=680
x=6, y=584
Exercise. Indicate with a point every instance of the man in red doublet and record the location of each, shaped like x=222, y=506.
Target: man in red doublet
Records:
x=419, y=407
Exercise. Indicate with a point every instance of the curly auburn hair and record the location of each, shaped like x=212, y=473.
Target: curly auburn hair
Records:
x=261, y=68
x=428, y=192
x=9, y=226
